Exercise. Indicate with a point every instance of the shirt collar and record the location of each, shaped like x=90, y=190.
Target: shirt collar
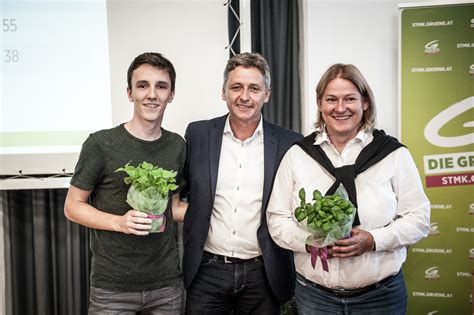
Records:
x=258, y=131
x=363, y=136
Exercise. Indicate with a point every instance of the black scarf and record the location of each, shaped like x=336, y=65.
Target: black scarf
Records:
x=381, y=146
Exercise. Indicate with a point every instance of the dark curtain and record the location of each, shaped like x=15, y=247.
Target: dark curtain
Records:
x=47, y=257
x=233, y=27
x=275, y=35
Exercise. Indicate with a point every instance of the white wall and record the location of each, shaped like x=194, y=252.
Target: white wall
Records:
x=192, y=34
x=364, y=33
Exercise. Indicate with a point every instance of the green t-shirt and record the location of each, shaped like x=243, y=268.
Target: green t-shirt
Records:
x=125, y=262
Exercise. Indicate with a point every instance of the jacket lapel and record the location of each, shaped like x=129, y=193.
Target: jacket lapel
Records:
x=216, y=129
x=269, y=155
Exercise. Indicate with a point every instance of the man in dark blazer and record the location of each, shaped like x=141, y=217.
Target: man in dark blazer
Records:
x=230, y=263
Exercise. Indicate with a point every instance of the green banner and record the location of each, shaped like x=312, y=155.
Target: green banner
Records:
x=437, y=125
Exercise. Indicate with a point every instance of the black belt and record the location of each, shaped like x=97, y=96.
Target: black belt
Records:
x=232, y=260
x=348, y=293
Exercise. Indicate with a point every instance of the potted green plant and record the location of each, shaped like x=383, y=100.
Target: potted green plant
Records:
x=149, y=191
x=328, y=219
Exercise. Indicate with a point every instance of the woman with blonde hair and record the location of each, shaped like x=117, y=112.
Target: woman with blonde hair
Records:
x=363, y=274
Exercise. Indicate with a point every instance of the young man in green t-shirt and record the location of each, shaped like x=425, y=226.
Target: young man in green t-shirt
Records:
x=132, y=270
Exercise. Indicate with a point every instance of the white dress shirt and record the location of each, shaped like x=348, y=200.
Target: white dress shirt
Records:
x=392, y=206
x=237, y=210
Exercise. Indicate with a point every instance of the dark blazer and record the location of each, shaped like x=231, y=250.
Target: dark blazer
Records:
x=204, y=139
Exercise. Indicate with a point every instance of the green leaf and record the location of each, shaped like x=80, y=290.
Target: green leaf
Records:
x=302, y=194
x=301, y=216
x=147, y=176
x=317, y=195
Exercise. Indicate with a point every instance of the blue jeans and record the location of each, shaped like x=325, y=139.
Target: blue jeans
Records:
x=221, y=288
x=160, y=301
x=388, y=298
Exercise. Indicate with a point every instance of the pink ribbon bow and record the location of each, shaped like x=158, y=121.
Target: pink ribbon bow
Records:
x=322, y=252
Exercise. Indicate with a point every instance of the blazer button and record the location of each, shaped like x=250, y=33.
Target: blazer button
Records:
x=202, y=244
x=208, y=218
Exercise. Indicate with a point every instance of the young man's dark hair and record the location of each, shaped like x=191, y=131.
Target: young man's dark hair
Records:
x=156, y=60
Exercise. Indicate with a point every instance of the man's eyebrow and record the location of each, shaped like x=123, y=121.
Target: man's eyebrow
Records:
x=158, y=82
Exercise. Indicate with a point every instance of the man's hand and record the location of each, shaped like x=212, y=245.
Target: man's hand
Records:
x=360, y=242
x=179, y=208
x=134, y=222
x=77, y=209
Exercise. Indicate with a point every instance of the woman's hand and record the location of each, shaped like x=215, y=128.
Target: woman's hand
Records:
x=360, y=242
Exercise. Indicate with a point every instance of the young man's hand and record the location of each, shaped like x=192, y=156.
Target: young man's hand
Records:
x=134, y=222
